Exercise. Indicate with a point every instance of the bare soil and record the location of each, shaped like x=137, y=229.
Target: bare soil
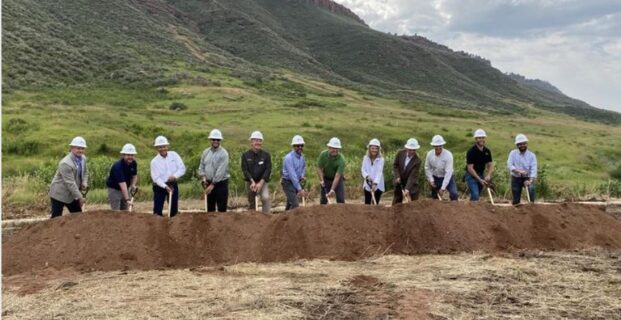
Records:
x=104, y=241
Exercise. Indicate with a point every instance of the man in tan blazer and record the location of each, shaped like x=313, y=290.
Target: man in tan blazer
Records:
x=405, y=172
x=70, y=180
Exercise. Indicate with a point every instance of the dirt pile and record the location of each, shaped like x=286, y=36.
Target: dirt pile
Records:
x=116, y=241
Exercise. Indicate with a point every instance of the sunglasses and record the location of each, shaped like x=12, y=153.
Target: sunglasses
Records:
x=218, y=140
x=298, y=146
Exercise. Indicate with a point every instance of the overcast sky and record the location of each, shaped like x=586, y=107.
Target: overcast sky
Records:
x=573, y=44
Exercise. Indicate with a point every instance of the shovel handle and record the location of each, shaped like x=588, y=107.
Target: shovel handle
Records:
x=491, y=198
x=527, y=193
x=170, y=193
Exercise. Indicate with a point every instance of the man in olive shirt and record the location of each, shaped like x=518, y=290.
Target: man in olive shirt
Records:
x=256, y=165
x=330, y=169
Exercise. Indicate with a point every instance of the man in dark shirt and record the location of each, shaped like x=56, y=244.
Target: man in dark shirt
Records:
x=478, y=161
x=256, y=165
x=123, y=178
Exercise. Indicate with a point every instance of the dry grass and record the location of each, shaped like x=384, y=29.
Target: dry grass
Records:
x=573, y=285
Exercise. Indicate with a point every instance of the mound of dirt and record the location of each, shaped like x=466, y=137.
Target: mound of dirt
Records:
x=117, y=241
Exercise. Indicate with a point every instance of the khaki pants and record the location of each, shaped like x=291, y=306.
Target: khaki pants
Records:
x=264, y=194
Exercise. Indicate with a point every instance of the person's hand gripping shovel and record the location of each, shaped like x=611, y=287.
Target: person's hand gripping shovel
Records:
x=132, y=192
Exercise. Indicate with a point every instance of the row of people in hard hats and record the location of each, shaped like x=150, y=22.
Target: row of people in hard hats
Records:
x=70, y=182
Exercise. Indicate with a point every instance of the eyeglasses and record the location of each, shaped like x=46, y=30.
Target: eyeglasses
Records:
x=161, y=147
x=217, y=140
x=298, y=146
x=521, y=144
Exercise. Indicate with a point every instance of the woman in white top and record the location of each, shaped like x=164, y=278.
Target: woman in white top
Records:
x=373, y=173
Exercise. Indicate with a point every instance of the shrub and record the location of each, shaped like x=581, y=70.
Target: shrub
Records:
x=24, y=148
x=177, y=106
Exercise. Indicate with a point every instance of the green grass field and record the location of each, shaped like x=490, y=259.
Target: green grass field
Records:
x=38, y=125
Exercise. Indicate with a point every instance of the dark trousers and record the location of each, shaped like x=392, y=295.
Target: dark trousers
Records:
x=339, y=191
x=398, y=196
x=160, y=195
x=291, y=193
x=517, y=184
x=57, y=207
x=451, y=188
x=219, y=197
x=369, y=200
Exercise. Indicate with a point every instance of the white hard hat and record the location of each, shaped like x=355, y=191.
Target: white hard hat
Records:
x=160, y=141
x=480, y=133
x=78, y=142
x=412, y=144
x=297, y=139
x=128, y=149
x=437, y=140
x=374, y=142
x=520, y=138
x=256, y=135
x=334, y=143
x=215, y=134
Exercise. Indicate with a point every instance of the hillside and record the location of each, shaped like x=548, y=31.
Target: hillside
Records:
x=159, y=42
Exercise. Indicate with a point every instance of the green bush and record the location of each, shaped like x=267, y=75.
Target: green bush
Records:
x=177, y=106
x=22, y=147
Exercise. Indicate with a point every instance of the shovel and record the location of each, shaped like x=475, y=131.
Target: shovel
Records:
x=131, y=201
x=170, y=194
x=84, y=193
x=256, y=202
x=489, y=192
x=527, y=193
x=373, y=201
x=327, y=195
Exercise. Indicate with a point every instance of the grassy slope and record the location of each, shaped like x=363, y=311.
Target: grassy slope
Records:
x=578, y=154
x=114, y=99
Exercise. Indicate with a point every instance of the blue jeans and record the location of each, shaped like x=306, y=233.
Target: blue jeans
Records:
x=474, y=186
x=517, y=184
x=160, y=195
x=451, y=188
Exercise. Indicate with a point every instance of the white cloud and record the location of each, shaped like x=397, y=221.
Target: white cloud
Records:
x=575, y=45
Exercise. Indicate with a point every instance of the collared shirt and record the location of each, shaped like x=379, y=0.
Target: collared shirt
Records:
x=407, y=161
x=294, y=168
x=256, y=165
x=331, y=165
x=522, y=161
x=78, y=163
x=374, y=170
x=121, y=172
x=478, y=158
x=162, y=168
x=214, y=165
x=439, y=166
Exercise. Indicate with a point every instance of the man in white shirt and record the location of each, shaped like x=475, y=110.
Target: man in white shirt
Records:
x=522, y=165
x=166, y=168
x=439, y=170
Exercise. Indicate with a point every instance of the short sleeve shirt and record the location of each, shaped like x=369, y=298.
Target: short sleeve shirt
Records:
x=331, y=165
x=478, y=158
x=121, y=172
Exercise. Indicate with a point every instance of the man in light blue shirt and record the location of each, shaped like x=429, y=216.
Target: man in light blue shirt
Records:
x=522, y=165
x=294, y=173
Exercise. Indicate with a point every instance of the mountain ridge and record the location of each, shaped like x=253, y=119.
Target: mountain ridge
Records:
x=49, y=43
